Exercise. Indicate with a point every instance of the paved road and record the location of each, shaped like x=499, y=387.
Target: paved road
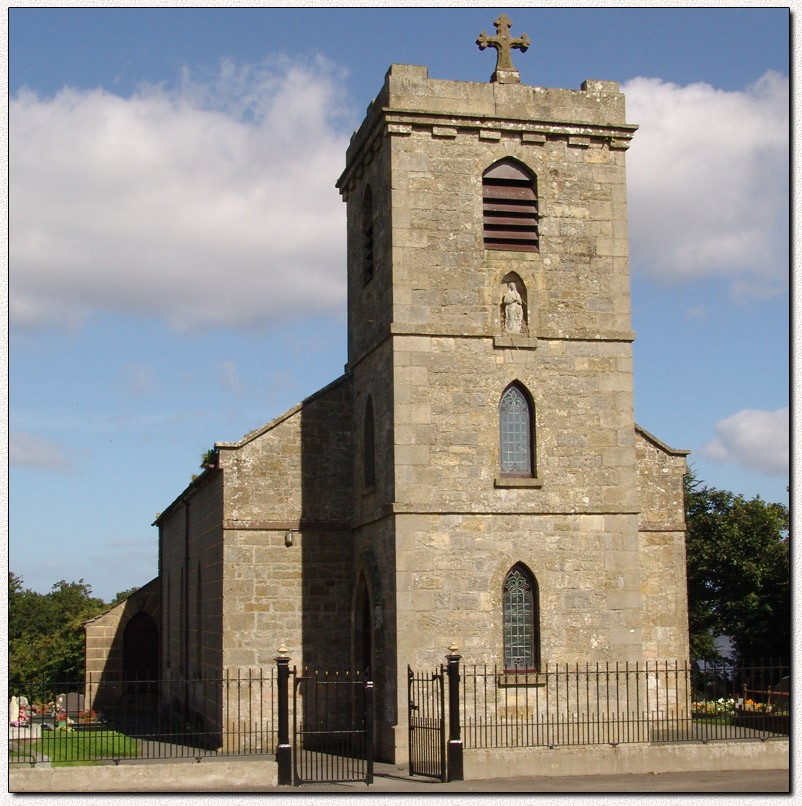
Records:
x=389, y=779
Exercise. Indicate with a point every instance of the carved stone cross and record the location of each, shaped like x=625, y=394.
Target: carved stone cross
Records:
x=503, y=43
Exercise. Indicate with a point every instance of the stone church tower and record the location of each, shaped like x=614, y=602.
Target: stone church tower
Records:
x=490, y=354
x=476, y=475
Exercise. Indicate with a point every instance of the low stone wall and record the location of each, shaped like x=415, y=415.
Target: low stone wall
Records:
x=633, y=759
x=210, y=775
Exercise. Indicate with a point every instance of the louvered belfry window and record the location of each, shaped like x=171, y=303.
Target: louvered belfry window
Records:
x=510, y=207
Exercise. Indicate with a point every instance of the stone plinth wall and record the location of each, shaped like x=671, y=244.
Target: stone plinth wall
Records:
x=632, y=759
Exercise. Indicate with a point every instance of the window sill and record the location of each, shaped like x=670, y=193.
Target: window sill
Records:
x=511, y=481
x=515, y=341
x=520, y=679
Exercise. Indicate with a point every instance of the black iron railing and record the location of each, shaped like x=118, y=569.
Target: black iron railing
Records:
x=487, y=707
x=616, y=703
x=102, y=720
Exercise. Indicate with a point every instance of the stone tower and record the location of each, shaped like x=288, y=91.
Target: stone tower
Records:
x=490, y=351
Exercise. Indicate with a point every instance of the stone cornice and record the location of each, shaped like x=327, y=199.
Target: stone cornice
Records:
x=451, y=124
x=392, y=122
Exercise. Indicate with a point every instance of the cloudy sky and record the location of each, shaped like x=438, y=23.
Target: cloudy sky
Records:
x=177, y=245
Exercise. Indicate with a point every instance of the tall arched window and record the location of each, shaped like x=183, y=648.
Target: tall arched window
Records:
x=521, y=621
x=368, y=261
x=516, y=432
x=509, y=193
x=369, y=447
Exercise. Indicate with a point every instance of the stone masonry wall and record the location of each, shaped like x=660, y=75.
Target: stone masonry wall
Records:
x=292, y=476
x=452, y=567
x=664, y=591
x=191, y=573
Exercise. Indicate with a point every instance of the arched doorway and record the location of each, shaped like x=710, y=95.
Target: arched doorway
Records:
x=141, y=648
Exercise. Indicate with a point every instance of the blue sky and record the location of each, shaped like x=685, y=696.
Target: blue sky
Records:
x=177, y=246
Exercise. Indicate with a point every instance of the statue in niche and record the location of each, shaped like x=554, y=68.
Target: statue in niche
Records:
x=513, y=310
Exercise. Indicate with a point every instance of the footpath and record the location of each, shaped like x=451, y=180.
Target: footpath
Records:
x=388, y=779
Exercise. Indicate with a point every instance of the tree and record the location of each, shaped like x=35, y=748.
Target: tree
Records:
x=123, y=595
x=739, y=581
x=46, y=637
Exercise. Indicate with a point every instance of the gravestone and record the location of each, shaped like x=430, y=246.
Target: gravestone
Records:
x=71, y=703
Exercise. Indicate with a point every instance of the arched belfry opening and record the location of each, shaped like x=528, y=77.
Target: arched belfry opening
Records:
x=141, y=648
x=509, y=204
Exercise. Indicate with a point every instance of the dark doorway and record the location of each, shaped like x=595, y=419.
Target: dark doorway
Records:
x=141, y=648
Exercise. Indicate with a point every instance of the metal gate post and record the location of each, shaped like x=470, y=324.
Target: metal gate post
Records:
x=454, y=740
x=369, y=731
x=283, y=750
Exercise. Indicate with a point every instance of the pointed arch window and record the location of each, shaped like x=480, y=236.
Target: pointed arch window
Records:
x=521, y=619
x=516, y=432
x=510, y=210
x=369, y=447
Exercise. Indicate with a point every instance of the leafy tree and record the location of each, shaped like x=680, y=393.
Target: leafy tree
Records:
x=123, y=595
x=46, y=639
x=739, y=581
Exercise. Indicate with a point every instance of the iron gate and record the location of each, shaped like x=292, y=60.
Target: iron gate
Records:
x=427, y=734
x=333, y=727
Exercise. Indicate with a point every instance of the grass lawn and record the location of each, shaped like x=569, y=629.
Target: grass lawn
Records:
x=65, y=747
x=713, y=719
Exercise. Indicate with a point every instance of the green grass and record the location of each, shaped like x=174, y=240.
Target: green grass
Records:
x=64, y=747
x=713, y=719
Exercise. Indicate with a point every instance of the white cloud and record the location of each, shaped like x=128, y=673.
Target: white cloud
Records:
x=708, y=183
x=213, y=204
x=27, y=450
x=758, y=440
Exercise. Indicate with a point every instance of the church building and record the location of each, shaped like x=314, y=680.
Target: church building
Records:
x=476, y=475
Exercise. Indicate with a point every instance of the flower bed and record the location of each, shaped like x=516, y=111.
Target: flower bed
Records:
x=711, y=708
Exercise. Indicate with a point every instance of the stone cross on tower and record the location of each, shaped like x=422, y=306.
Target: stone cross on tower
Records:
x=505, y=73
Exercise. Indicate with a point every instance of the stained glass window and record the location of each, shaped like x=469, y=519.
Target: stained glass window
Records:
x=516, y=442
x=521, y=650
